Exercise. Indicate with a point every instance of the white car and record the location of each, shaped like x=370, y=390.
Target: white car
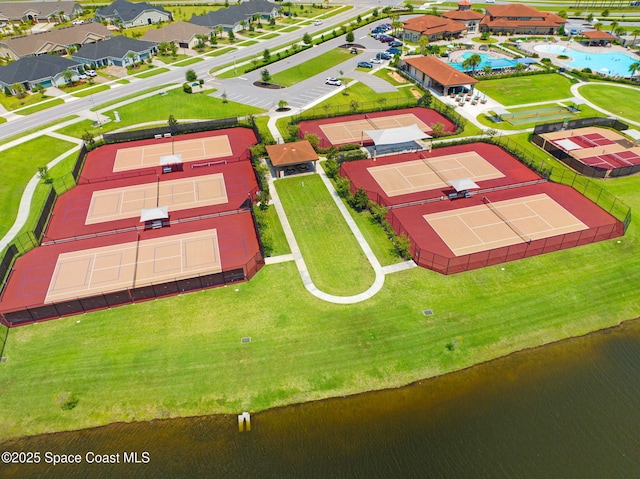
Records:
x=317, y=22
x=77, y=22
x=375, y=60
x=333, y=81
x=91, y=73
x=82, y=76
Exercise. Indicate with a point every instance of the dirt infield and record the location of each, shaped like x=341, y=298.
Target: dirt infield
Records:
x=130, y=265
x=127, y=202
x=488, y=165
x=101, y=162
x=194, y=149
x=348, y=129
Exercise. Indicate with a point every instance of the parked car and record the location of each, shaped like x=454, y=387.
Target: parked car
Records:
x=77, y=22
x=91, y=73
x=333, y=81
x=365, y=65
x=317, y=22
x=383, y=56
x=354, y=51
x=82, y=76
x=386, y=39
x=396, y=43
x=377, y=61
x=394, y=51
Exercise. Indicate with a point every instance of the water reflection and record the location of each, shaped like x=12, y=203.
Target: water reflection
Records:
x=569, y=410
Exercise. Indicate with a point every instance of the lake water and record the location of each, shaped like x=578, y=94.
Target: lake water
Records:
x=568, y=410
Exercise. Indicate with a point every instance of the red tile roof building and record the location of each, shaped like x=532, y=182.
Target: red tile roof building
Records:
x=432, y=27
x=433, y=73
x=522, y=19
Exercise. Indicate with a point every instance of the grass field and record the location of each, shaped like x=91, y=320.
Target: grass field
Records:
x=40, y=106
x=335, y=260
x=280, y=244
x=24, y=160
x=585, y=112
x=90, y=91
x=149, y=360
x=527, y=89
x=13, y=102
x=305, y=70
x=221, y=51
x=189, y=61
x=619, y=100
x=151, y=73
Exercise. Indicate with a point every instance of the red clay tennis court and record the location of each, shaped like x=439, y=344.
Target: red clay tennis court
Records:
x=106, y=206
x=599, y=148
x=416, y=176
x=349, y=129
x=127, y=202
x=106, y=271
x=102, y=164
x=504, y=225
x=194, y=149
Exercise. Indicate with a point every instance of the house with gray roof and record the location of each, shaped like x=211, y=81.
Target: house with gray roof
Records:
x=119, y=51
x=45, y=70
x=38, y=12
x=231, y=18
x=56, y=41
x=130, y=15
x=183, y=34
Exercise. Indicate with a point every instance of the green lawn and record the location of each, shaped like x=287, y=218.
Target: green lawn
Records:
x=289, y=29
x=384, y=74
x=527, y=89
x=128, y=97
x=619, y=100
x=21, y=163
x=269, y=36
x=585, y=112
x=13, y=102
x=151, y=73
x=40, y=106
x=279, y=240
x=305, y=70
x=335, y=260
x=189, y=61
x=90, y=91
x=221, y=51
x=166, y=59
x=248, y=43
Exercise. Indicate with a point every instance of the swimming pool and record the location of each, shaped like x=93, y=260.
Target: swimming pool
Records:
x=495, y=63
x=607, y=63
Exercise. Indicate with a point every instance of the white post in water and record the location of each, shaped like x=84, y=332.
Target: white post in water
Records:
x=244, y=418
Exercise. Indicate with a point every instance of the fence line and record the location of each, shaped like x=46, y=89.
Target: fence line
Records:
x=178, y=129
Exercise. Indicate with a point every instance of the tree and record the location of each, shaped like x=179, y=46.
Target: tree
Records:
x=605, y=13
x=132, y=58
x=224, y=97
x=288, y=5
x=598, y=26
x=282, y=104
x=232, y=36
x=635, y=66
x=67, y=75
x=201, y=42
x=635, y=34
x=472, y=62
x=266, y=55
x=213, y=40
x=487, y=69
x=88, y=139
x=590, y=17
x=219, y=29
x=360, y=200
x=173, y=48
x=172, y=122
x=423, y=41
x=266, y=76
x=331, y=168
x=191, y=75
x=163, y=48
x=520, y=67
x=438, y=130
x=306, y=39
x=350, y=36
x=403, y=246
x=354, y=105
x=563, y=14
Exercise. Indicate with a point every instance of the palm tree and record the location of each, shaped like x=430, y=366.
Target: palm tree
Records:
x=635, y=66
x=598, y=26
x=472, y=62
x=635, y=34
x=423, y=42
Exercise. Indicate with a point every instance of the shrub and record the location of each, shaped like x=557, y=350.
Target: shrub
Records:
x=191, y=75
x=331, y=167
x=343, y=186
x=186, y=87
x=403, y=246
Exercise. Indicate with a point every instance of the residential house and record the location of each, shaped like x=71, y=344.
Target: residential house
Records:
x=119, y=51
x=515, y=18
x=183, y=34
x=57, y=41
x=130, y=15
x=38, y=12
x=45, y=70
x=432, y=27
x=233, y=17
x=469, y=18
x=437, y=75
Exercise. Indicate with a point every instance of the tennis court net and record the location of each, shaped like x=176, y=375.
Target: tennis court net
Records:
x=506, y=220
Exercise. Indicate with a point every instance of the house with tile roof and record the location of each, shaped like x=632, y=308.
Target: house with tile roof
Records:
x=516, y=18
x=119, y=51
x=56, y=41
x=38, y=12
x=436, y=75
x=469, y=18
x=130, y=14
x=433, y=27
x=183, y=34
x=231, y=18
x=45, y=70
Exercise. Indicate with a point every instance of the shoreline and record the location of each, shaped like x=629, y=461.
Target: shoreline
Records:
x=606, y=330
